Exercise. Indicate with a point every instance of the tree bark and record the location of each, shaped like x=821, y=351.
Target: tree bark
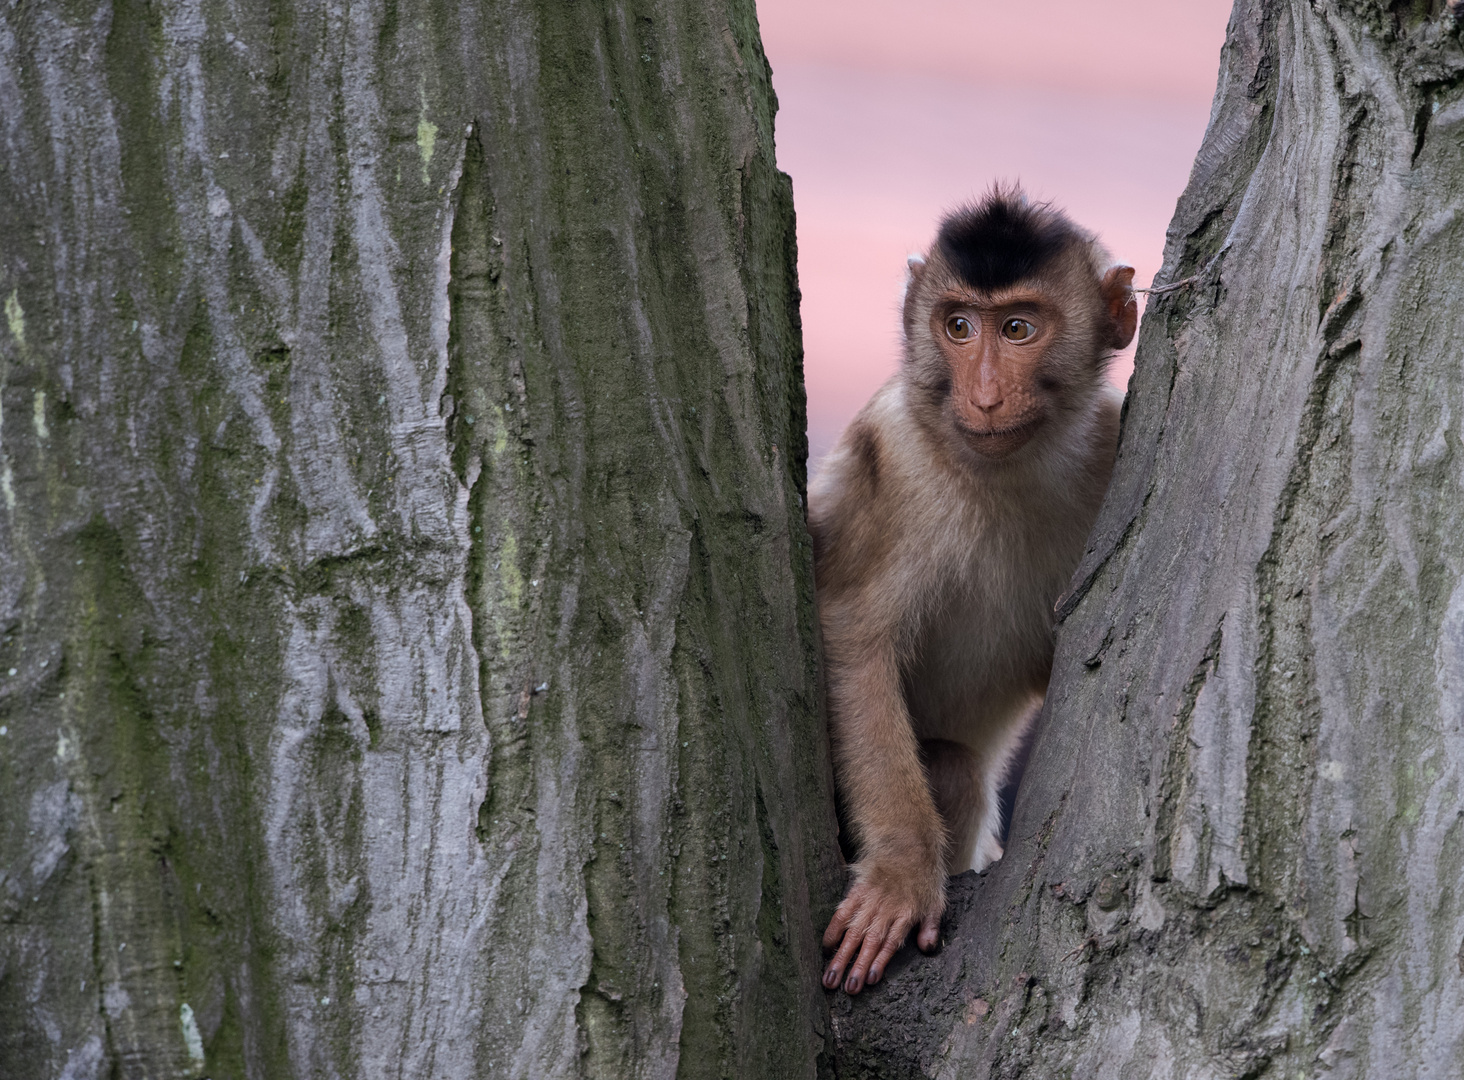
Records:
x=406, y=605
x=1239, y=848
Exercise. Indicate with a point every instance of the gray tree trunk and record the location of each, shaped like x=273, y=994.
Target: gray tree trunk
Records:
x=1239, y=850
x=407, y=662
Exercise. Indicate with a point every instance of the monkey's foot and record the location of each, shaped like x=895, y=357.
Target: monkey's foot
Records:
x=872, y=923
x=988, y=851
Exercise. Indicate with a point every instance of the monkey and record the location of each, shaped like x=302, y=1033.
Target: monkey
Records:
x=946, y=522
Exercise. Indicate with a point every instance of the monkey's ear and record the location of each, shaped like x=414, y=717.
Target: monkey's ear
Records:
x=1122, y=307
x=914, y=271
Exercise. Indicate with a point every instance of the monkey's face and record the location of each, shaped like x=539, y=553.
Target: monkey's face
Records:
x=995, y=368
x=993, y=346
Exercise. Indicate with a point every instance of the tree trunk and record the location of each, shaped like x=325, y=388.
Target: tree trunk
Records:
x=406, y=605
x=1239, y=849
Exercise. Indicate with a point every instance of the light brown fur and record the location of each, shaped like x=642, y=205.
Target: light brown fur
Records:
x=940, y=553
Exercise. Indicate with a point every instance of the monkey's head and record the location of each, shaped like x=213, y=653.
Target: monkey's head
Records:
x=1010, y=321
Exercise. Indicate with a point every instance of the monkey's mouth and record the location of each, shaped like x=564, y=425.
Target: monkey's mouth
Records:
x=1003, y=441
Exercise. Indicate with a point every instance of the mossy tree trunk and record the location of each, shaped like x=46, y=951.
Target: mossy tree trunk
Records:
x=407, y=662
x=1239, y=849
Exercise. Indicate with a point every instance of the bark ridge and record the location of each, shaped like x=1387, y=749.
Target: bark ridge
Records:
x=403, y=583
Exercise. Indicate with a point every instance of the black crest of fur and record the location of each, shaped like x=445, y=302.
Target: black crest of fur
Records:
x=1003, y=239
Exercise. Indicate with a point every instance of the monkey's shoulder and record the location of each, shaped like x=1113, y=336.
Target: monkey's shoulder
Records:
x=860, y=459
x=862, y=493
x=1101, y=447
x=1109, y=414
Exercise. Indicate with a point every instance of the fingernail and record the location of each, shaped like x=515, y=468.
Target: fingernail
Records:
x=852, y=985
x=831, y=978
x=874, y=975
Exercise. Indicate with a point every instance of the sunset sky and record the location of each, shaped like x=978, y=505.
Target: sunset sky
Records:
x=891, y=113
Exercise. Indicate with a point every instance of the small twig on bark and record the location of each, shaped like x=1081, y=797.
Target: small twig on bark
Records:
x=1093, y=941
x=1155, y=290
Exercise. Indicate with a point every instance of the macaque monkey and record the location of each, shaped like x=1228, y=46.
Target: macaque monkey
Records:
x=946, y=523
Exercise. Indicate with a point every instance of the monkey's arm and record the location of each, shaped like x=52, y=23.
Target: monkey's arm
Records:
x=899, y=878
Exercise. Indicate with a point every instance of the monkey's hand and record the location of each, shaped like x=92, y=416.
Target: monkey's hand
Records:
x=869, y=927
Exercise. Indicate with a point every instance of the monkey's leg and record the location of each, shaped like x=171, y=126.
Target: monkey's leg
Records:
x=956, y=776
x=994, y=768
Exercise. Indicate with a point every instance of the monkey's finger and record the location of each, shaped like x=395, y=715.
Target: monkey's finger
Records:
x=929, y=933
x=834, y=972
x=838, y=924
x=853, y=938
x=873, y=938
x=892, y=942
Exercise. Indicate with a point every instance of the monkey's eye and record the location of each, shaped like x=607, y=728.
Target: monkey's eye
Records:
x=959, y=328
x=1017, y=330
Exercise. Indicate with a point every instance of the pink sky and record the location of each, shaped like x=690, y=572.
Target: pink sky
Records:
x=891, y=113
